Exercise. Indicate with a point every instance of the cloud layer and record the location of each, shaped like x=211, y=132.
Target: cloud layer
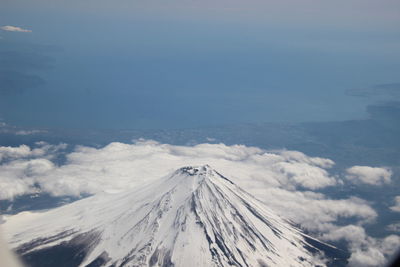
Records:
x=118, y=166
x=287, y=181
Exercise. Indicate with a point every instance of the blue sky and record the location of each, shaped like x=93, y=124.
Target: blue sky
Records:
x=176, y=64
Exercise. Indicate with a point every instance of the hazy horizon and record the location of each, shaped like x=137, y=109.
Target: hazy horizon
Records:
x=180, y=64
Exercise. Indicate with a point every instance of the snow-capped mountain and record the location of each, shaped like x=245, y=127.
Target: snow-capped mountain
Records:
x=194, y=217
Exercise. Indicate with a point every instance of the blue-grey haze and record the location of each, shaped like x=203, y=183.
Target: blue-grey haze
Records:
x=177, y=64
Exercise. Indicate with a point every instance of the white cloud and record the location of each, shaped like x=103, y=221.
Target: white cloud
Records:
x=119, y=166
x=14, y=29
x=396, y=206
x=394, y=227
x=312, y=210
x=18, y=177
x=304, y=175
x=7, y=152
x=365, y=250
x=23, y=151
x=369, y=175
x=21, y=166
x=301, y=157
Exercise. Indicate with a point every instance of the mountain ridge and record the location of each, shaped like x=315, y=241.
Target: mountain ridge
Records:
x=194, y=217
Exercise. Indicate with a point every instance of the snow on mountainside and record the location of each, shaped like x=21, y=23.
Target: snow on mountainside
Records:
x=195, y=217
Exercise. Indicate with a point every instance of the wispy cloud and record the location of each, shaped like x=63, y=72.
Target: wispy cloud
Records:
x=29, y=132
x=10, y=28
x=396, y=206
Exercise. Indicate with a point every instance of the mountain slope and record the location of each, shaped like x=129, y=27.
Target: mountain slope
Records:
x=195, y=217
